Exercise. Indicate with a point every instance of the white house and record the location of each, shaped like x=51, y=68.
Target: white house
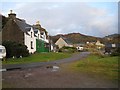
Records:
x=18, y=30
x=30, y=40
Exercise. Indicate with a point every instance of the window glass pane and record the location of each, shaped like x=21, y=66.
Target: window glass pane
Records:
x=0, y=50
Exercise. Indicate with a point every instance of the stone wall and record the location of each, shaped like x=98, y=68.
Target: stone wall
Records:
x=11, y=32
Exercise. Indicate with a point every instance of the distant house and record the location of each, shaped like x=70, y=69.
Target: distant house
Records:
x=112, y=45
x=33, y=36
x=90, y=43
x=99, y=44
x=61, y=42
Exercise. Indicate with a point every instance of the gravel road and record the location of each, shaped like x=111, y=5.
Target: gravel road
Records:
x=38, y=64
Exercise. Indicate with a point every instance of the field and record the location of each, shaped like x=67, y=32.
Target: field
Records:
x=38, y=57
x=106, y=67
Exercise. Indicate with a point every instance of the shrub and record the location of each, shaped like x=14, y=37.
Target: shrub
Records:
x=116, y=52
x=98, y=53
x=68, y=49
x=15, y=49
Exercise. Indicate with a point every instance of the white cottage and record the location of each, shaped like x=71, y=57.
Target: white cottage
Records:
x=18, y=30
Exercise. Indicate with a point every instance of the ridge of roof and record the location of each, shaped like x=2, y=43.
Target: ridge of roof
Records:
x=68, y=41
x=23, y=25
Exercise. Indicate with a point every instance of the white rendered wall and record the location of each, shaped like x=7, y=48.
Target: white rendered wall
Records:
x=28, y=40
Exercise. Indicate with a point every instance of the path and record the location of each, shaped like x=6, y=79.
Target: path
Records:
x=39, y=64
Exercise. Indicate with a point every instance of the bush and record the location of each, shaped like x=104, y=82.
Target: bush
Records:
x=68, y=49
x=100, y=54
x=15, y=49
x=116, y=52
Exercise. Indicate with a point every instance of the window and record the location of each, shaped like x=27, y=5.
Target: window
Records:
x=31, y=34
x=31, y=44
x=0, y=50
x=42, y=33
x=38, y=36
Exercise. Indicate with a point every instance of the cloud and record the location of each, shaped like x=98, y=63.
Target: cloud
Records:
x=66, y=17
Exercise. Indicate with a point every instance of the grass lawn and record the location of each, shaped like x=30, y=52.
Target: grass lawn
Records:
x=107, y=67
x=38, y=57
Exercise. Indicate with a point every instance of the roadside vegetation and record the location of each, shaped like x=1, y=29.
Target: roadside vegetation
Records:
x=104, y=66
x=37, y=57
x=15, y=49
x=68, y=49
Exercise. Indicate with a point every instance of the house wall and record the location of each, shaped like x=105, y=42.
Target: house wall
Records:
x=51, y=47
x=28, y=40
x=99, y=44
x=11, y=32
x=44, y=38
x=60, y=42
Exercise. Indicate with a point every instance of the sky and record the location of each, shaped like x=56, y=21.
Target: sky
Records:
x=90, y=18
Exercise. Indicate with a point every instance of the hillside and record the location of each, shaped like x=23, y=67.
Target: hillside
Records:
x=113, y=38
x=77, y=38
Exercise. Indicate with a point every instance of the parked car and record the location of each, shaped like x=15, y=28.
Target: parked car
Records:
x=80, y=48
x=2, y=52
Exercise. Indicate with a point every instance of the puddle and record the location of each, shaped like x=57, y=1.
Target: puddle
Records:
x=13, y=69
x=27, y=75
x=1, y=70
x=53, y=68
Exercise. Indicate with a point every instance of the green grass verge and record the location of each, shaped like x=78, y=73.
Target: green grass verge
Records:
x=106, y=67
x=38, y=57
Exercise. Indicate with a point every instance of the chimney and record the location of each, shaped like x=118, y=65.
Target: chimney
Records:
x=38, y=26
x=12, y=15
x=38, y=23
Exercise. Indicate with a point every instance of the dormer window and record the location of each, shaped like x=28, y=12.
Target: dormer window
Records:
x=42, y=33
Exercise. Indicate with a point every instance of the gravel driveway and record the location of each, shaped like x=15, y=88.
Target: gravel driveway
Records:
x=47, y=78
x=75, y=57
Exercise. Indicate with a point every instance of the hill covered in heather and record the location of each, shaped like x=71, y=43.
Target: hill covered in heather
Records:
x=81, y=38
x=77, y=38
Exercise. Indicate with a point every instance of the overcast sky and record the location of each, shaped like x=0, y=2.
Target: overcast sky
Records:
x=89, y=18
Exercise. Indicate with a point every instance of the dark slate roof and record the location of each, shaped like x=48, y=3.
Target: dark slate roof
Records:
x=68, y=41
x=23, y=25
